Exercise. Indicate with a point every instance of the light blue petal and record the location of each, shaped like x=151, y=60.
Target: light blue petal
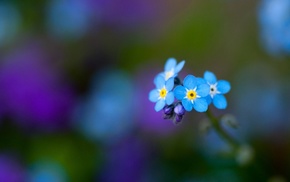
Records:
x=200, y=81
x=202, y=90
x=169, y=98
x=159, y=81
x=219, y=101
x=208, y=99
x=159, y=105
x=169, y=84
x=162, y=74
x=179, y=66
x=190, y=82
x=223, y=86
x=170, y=63
x=200, y=105
x=187, y=104
x=179, y=92
x=210, y=77
x=154, y=95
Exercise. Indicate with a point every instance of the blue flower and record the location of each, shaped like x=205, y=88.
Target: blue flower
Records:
x=192, y=94
x=217, y=89
x=171, y=69
x=162, y=94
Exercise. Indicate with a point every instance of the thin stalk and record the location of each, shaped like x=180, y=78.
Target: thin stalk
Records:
x=222, y=133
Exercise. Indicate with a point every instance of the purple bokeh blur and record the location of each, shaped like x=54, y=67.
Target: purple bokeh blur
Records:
x=32, y=91
x=126, y=161
x=10, y=169
x=126, y=13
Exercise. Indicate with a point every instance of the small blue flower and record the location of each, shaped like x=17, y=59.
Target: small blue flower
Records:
x=162, y=94
x=171, y=69
x=217, y=89
x=192, y=94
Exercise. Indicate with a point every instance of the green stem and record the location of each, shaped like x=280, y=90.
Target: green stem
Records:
x=223, y=134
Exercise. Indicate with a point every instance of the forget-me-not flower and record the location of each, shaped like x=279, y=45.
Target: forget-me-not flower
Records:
x=217, y=89
x=163, y=93
x=171, y=68
x=192, y=94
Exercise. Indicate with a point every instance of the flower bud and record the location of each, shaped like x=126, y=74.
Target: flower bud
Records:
x=168, y=111
x=179, y=109
x=230, y=120
x=177, y=119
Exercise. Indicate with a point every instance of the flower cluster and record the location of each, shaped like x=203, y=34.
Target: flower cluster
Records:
x=176, y=97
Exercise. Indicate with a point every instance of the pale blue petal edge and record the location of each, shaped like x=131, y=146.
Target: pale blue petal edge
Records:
x=200, y=81
x=169, y=84
x=179, y=67
x=210, y=77
x=170, y=63
x=190, y=82
x=159, y=81
x=203, y=90
x=219, y=101
x=187, y=104
x=169, y=98
x=179, y=92
x=208, y=99
x=200, y=105
x=159, y=105
x=153, y=95
x=223, y=86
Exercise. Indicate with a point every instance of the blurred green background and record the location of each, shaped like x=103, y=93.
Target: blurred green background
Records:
x=75, y=77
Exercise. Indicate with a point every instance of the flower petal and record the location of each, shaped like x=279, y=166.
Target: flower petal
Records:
x=159, y=81
x=154, y=95
x=210, y=77
x=200, y=105
x=187, y=104
x=179, y=66
x=202, y=90
x=169, y=98
x=179, y=92
x=219, y=101
x=200, y=81
x=190, y=82
x=208, y=99
x=159, y=105
x=170, y=63
x=223, y=86
x=169, y=84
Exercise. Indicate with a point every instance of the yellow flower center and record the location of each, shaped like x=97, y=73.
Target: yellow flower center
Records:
x=191, y=94
x=163, y=93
